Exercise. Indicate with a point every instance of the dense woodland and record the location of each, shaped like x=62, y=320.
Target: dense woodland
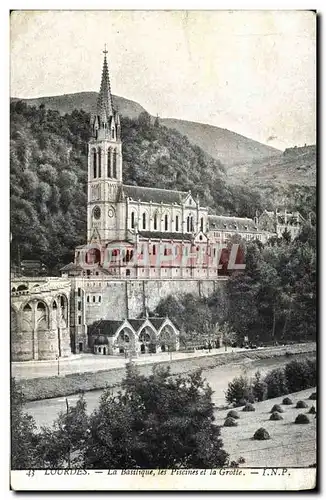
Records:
x=48, y=178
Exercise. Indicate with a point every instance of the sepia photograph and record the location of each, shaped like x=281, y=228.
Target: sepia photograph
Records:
x=163, y=252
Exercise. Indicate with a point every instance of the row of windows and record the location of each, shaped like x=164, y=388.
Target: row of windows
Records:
x=167, y=226
x=111, y=163
x=93, y=299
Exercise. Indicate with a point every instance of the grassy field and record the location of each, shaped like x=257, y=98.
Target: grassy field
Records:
x=290, y=445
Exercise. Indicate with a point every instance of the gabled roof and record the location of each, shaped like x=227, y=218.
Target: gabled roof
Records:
x=104, y=327
x=158, y=235
x=157, y=322
x=224, y=223
x=148, y=194
x=137, y=323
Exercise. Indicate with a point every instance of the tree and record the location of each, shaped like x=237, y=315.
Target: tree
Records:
x=156, y=422
x=23, y=433
x=63, y=444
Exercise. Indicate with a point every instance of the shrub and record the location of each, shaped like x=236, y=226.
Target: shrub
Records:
x=230, y=422
x=277, y=408
x=301, y=404
x=302, y=419
x=300, y=375
x=312, y=410
x=287, y=401
x=313, y=396
x=238, y=390
x=261, y=434
x=249, y=407
x=233, y=414
x=275, y=416
x=241, y=402
x=259, y=387
x=276, y=383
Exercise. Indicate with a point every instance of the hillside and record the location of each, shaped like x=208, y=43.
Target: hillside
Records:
x=86, y=101
x=223, y=145
x=295, y=166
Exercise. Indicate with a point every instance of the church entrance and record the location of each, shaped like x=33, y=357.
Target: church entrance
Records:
x=80, y=347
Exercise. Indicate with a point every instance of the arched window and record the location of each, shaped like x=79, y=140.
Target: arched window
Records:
x=94, y=164
x=114, y=164
x=54, y=305
x=166, y=222
x=27, y=308
x=144, y=220
x=99, y=162
x=155, y=221
x=112, y=132
x=188, y=224
x=109, y=163
x=41, y=306
x=202, y=223
x=132, y=220
x=177, y=223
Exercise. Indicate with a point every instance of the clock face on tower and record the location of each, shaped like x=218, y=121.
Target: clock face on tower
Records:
x=111, y=212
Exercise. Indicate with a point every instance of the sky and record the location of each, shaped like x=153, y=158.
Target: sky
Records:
x=252, y=72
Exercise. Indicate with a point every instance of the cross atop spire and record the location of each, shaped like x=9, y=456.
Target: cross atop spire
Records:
x=104, y=101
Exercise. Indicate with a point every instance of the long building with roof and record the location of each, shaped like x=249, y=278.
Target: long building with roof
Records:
x=145, y=232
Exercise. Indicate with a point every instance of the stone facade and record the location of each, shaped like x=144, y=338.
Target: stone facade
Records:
x=40, y=318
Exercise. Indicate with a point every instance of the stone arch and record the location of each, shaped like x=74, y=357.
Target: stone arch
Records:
x=147, y=338
x=93, y=256
x=22, y=332
x=94, y=162
x=41, y=315
x=63, y=304
x=168, y=337
x=124, y=339
x=166, y=220
x=156, y=220
x=99, y=162
x=14, y=322
x=144, y=220
x=177, y=221
x=109, y=162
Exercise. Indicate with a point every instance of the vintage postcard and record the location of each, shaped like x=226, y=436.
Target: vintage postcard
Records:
x=163, y=250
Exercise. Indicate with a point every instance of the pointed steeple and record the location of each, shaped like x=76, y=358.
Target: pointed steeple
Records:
x=104, y=100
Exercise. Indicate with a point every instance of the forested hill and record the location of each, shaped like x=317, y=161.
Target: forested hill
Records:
x=48, y=154
x=222, y=144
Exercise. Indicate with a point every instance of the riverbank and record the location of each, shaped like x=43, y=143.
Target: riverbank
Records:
x=57, y=386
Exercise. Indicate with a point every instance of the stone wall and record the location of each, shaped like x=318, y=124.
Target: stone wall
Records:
x=119, y=299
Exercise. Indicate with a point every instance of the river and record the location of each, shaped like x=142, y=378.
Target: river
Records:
x=46, y=410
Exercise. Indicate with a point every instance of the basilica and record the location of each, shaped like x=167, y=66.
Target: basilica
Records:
x=143, y=244
x=145, y=232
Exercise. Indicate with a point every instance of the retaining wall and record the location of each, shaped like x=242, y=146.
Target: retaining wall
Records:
x=51, y=387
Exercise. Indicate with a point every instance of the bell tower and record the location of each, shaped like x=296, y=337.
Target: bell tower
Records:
x=105, y=219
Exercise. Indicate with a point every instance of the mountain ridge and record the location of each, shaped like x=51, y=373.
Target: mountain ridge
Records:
x=222, y=144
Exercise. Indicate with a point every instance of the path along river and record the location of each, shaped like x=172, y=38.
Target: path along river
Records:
x=46, y=410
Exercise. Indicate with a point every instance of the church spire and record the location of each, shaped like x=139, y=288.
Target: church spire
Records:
x=104, y=100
